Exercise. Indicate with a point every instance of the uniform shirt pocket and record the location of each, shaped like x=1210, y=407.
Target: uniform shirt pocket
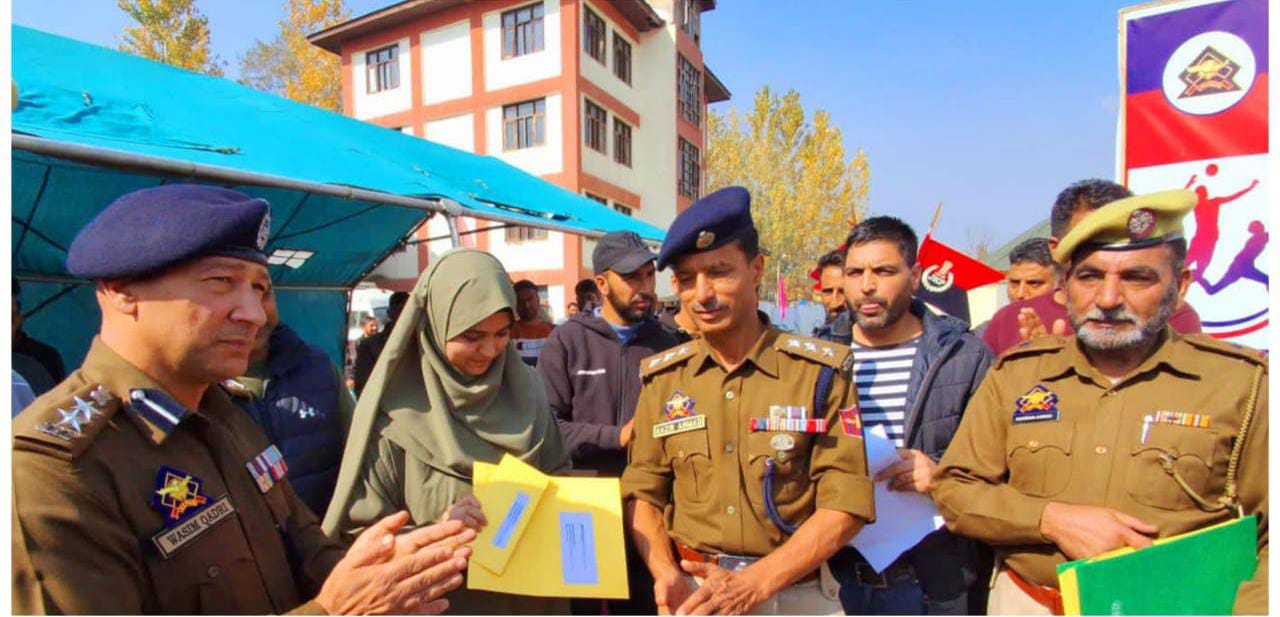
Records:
x=210, y=575
x=1039, y=457
x=690, y=456
x=791, y=469
x=1191, y=452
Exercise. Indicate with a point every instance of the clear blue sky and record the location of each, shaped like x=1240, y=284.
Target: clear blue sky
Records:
x=989, y=107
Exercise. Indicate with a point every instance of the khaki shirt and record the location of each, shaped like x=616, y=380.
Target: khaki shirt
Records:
x=709, y=482
x=84, y=503
x=1046, y=426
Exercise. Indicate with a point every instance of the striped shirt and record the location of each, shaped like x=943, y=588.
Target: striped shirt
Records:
x=882, y=374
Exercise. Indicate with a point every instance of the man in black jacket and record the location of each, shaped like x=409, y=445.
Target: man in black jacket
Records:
x=915, y=371
x=591, y=368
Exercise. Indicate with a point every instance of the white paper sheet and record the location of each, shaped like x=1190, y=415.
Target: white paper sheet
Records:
x=902, y=519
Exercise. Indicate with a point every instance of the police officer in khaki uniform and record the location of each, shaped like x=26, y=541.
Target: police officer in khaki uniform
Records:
x=140, y=487
x=748, y=469
x=1125, y=433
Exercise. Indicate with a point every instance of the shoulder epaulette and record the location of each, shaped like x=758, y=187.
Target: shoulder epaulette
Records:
x=65, y=426
x=666, y=359
x=1204, y=342
x=816, y=350
x=1038, y=346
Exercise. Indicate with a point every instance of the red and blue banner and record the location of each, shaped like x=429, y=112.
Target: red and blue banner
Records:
x=1194, y=115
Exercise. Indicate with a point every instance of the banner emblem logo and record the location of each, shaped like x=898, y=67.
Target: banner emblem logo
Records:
x=1209, y=73
x=938, y=278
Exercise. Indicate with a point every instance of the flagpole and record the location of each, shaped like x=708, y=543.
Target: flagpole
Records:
x=934, y=223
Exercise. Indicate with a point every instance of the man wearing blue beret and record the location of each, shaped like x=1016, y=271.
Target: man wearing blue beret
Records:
x=748, y=469
x=140, y=487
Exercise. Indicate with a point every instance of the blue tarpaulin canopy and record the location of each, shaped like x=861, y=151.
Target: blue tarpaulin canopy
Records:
x=92, y=124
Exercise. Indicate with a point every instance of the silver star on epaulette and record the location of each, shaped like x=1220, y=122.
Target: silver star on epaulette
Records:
x=826, y=351
x=810, y=346
x=669, y=355
x=655, y=362
x=85, y=410
x=70, y=422
x=684, y=349
x=793, y=343
x=101, y=397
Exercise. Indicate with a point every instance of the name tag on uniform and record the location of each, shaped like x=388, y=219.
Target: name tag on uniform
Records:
x=683, y=425
x=1039, y=404
x=170, y=540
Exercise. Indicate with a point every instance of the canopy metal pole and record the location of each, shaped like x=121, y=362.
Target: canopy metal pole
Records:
x=452, y=222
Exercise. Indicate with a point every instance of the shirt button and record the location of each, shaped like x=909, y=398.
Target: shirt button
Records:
x=1100, y=449
x=1111, y=392
x=1033, y=443
x=728, y=447
x=730, y=510
x=680, y=454
x=213, y=571
x=728, y=395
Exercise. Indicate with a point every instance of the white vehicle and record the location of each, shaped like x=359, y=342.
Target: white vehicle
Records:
x=366, y=301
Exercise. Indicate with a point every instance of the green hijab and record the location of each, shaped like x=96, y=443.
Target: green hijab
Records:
x=438, y=415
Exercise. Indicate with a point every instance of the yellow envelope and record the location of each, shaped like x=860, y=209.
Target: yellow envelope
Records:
x=572, y=548
x=509, y=499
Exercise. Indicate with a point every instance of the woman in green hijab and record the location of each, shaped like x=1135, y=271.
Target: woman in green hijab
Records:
x=447, y=391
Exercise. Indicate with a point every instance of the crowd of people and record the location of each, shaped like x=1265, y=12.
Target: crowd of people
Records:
x=206, y=459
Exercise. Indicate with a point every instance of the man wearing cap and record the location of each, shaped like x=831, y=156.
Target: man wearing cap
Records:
x=748, y=469
x=1073, y=447
x=591, y=368
x=140, y=486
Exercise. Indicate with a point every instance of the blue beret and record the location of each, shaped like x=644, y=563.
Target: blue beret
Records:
x=710, y=223
x=147, y=231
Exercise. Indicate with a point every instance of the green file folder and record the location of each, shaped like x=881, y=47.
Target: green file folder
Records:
x=1195, y=573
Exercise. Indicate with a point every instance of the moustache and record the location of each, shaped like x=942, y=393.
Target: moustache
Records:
x=877, y=299
x=1115, y=315
x=706, y=307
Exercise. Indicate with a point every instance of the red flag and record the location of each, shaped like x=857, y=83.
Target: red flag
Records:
x=943, y=267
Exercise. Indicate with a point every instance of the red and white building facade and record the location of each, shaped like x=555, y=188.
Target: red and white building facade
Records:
x=606, y=98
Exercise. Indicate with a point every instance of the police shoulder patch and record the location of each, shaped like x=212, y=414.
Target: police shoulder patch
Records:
x=66, y=425
x=816, y=350
x=1038, y=346
x=1204, y=342
x=666, y=359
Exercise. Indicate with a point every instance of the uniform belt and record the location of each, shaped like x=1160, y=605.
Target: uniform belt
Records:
x=1047, y=597
x=898, y=572
x=732, y=563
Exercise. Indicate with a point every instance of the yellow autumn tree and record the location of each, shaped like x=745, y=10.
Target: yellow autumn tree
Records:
x=170, y=31
x=290, y=66
x=805, y=189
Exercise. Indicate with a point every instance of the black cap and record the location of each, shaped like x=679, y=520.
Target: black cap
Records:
x=620, y=251
x=147, y=231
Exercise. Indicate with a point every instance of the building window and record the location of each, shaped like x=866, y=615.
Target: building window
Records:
x=594, y=127
x=622, y=58
x=690, y=171
x=621, y=142
x=522, y=31
x=690, y=92
x=621, y=208
x=383, y=66
x=597, y=198
x=519, y=233
x=524, y=125
x=687, y=16
x=593, y=40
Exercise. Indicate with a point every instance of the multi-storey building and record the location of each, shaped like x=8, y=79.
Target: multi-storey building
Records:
x=606, y=98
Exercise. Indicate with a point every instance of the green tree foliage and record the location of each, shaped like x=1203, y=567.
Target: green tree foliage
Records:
x=805, y=192
x=291, y=67
x=170, y=31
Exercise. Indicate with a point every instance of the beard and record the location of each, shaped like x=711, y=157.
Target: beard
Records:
x=893, y=311
x=1142, y=333
x=629, y=313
